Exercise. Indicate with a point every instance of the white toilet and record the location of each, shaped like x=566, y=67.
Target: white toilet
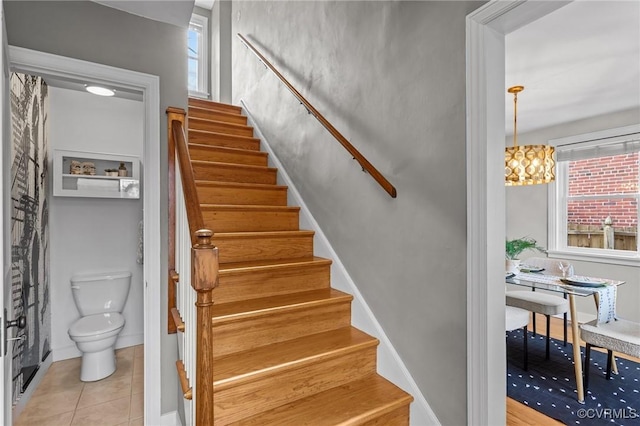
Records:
x=100, y=298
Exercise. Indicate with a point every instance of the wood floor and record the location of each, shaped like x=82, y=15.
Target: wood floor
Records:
x=519, y=414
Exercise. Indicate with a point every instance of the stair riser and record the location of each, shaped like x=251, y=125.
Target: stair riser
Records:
x=236, y=403
x=225, y=156
x=223, y=117
x=233, y=249
x=255, y=284
x=371, y=401
x=215, y=106
x=242, y=196
x=223, y=173
x=225, y=128
x=238, y=220
x=398, y=417
x=228, y=141
x=278, y=326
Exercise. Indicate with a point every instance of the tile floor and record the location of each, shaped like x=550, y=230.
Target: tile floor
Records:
x=62, y=399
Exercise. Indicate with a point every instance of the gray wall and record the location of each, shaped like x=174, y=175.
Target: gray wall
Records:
x=527, y=214
x=391, y=77
x=92, y=32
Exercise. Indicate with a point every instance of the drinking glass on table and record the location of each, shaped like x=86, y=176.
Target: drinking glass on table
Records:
x=564, y=267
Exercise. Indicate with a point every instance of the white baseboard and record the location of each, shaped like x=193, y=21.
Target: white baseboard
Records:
x=390, y=364
x=130, y=340
x=170, y=419
x=26, y=396
x=71, y=351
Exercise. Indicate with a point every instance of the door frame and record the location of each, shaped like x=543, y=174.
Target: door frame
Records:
x=486, y=28
x=5, y=214
x=45, y=64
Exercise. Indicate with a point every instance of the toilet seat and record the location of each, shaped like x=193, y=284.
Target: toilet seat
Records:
x=96, y=325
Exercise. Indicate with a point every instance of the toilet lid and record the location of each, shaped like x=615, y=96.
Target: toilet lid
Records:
x=93, y=325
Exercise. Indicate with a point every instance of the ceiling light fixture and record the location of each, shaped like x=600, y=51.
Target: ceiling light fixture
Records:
x=100, y=91
x=527, y=164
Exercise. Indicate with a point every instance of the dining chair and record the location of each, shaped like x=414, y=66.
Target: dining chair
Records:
x=542, y=303
x=615, y=336
x=516, y=318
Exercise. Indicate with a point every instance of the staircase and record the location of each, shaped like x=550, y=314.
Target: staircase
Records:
x=285, y=352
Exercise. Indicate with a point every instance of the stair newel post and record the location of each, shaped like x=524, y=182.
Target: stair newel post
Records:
x=204, y=279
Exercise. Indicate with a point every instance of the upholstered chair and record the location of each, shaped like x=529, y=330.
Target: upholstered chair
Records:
x=615, y=336
x=539, y=302
x=516, y=318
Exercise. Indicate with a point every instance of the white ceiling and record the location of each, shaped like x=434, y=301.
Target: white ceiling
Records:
x=580, y=61
x=176, y=12
x=74, y=84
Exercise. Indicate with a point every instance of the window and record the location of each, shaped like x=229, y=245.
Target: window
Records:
x=593, y=206
x=197, y=56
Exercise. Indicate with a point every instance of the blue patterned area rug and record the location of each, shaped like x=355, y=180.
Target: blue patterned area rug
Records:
x=550, y=386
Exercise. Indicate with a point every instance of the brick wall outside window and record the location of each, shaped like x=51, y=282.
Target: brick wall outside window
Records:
x=605, y=176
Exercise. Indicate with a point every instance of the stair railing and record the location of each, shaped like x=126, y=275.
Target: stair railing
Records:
x=364, y=163
x=193, y=274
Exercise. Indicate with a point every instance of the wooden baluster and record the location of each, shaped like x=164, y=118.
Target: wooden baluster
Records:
x=204, y=267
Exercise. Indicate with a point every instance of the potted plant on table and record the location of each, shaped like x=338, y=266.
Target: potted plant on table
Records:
x=514, y=248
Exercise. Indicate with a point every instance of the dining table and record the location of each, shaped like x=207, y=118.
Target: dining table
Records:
x=580, y=287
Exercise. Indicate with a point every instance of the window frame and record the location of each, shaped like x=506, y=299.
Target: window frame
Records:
x=203, y=56
x=557, y=206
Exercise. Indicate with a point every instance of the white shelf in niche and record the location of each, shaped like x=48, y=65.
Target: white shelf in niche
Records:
x=66, y=184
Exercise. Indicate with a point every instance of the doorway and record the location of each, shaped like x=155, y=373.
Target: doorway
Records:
x=486, y=365
x=48, y=65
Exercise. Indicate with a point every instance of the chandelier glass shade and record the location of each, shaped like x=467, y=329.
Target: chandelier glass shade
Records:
x=527, y=164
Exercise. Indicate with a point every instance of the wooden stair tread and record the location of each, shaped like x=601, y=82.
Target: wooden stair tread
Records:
x=258, y=279
x=224, y=154
x=263, y=245
x=220, y=112
x=249, y=365
x=233, y=172
x=241, y=193
x=249, y=235
x=241, y=267
x=251, y=307
x=198, y=134
x=239, y=185
x=248, y=207
x=242, y=218
x=223, y=135
x=204, y=108
x=236, y=126
x=205, y=103
x=354, y=403
x=230, y=150
x=232, y=166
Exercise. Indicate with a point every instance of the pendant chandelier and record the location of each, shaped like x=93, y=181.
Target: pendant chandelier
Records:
x=527, y=164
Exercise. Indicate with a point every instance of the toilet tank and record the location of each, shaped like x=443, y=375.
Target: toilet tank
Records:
x=100, y=293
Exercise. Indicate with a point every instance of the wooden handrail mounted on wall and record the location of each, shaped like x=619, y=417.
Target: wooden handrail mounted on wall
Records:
x=366, y=165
